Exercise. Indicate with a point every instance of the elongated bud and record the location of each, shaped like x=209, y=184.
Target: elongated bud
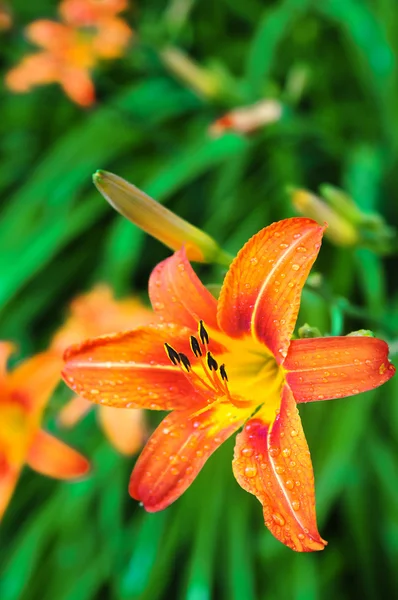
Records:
x=340, y=231
x=200, y=79
x=157, y=220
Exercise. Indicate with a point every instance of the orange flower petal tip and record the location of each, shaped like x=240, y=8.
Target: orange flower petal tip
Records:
x=157, y=220
x=51, y=457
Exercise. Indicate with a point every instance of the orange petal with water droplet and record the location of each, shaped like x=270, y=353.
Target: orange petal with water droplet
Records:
x=74, y=411
x=49, y=456
x=262, y=289
x=132, y=369
x=125, y=428
x=177, y=451
x=178, y=296
x=272, y=461
x=335, y=367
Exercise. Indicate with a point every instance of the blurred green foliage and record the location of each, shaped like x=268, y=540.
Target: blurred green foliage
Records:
x=332, y=65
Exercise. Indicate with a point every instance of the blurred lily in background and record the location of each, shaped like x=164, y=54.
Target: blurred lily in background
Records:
x=93, y=314
x=5, y=17
x=24, y=394
x=89, y=31
x=222, y=365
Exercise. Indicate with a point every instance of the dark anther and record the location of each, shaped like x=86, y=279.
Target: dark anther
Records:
x=185, y=361
x=172, y=354
x=213, y=365
x=223, y=373
x=195, y=346
x=204, y=336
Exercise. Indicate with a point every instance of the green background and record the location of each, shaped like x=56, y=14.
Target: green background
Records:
x=333, y=66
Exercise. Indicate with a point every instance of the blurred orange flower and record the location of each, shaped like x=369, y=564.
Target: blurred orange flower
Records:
x=25, y=392
x=5, y=17
x=98, y=313
x=89, y=31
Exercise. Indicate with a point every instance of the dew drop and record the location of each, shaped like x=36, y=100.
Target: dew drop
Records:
x=279, y=520
x=286, y=452
x=174, y=471
x=293, y=433
x=274, y=451
x=283, y=245
x=301, y=536
x=295, y=267
x=250, y=471
x=296, y=505
x=279, y=470
x=158, y=306
x=254, y=260
x=181, y=267
x=289, y=484
x=301, y=249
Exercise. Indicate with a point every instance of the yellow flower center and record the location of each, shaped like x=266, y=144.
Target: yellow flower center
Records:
x=246, y=375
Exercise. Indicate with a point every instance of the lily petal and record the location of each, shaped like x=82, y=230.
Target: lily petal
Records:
x=262, y=289
x=8, y=480
x=132, y=370
x=177, y=451
x=124, y=427
x=77, y=84
x=272, y=461
x=36, y=378
x=334, y=367
x=178, y=296
x=6, y=349
x=74, y=411
x=49, y=456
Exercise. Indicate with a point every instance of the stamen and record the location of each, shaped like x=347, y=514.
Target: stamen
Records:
x=223, y=373
x=185, y=361
x=172, y=354
x=195, y=347
x=211, y=362
x=204, y=336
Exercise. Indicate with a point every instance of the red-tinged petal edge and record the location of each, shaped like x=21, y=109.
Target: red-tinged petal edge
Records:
x=334, y=367
x=132, y=370
x=272, y=461
x=177, y=451
x=262, y=289
x=178, y=296
x=49, y=456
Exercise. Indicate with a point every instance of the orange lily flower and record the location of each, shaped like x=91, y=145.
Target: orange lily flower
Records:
x=229, y=364
x=71, y=49
x=24, y=394
x=98, y=313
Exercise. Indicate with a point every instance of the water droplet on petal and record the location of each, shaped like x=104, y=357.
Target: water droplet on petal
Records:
x=250, y=471
x=289, y=484
x=279, y=520
x=286, y=452
x=296, y=505
x=295, y=267
x=293, y=433
x=254, y=260
x=247, y=452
